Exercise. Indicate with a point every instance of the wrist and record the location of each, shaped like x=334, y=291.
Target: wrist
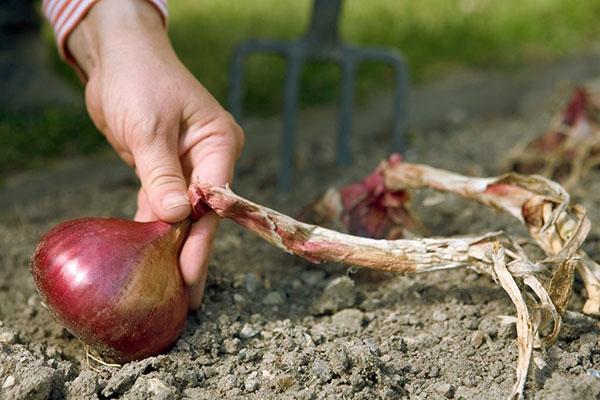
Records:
x=116, y=24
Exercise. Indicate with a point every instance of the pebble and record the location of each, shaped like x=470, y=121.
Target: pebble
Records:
x=209, y=372
x=507, y=331
x=348, y=321
x=251, y=383
x=371, y=304
x=372, y=346
x=9, y=337
x=568, y=361
x=321, y=370
x=54, y=351
x=33, y=300
x=266, y=334
x=477, y=339
x=232, y=346
x=339, y=293
x=228, y=382
x=434, y=371
x=470, y=323
x=188, y=377
x=251, y=282
x=439, y=316
x=339, y=360
x=495, y=369
x=591, y=372
x=445, y=389
x=9, y=382
x=159, y=390
x=273, y=299
x=248, y=331
x=489, y=326
x=238, y=298
x=183, y=345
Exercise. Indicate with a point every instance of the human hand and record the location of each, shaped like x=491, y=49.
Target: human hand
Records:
x=158, y=118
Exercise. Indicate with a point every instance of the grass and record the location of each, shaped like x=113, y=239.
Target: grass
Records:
x=28, y=139
x=436, y=37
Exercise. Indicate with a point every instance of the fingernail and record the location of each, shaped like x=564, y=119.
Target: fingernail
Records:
x=174, y=200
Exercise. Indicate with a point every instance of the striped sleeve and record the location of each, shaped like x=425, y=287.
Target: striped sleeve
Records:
x=64, y=15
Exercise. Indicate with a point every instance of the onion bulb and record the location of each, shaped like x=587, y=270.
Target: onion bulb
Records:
x=115, y=284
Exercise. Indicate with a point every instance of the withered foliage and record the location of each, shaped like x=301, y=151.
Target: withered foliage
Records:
x=378, y=208
x=571, y=145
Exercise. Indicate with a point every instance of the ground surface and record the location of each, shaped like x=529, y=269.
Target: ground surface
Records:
x=273, y=326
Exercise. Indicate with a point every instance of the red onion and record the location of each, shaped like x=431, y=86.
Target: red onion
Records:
x=115, y=284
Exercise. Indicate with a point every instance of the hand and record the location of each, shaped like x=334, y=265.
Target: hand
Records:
x=158, y=118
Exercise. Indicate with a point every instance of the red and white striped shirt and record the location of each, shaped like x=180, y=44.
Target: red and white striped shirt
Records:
x=64, y=15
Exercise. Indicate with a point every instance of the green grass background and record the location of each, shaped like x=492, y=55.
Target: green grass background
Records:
x=437, y=37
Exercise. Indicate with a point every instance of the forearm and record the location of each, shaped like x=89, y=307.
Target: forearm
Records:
x=116, y=24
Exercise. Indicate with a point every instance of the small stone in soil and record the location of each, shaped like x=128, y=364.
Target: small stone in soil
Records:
x=232, y=346
x=340, y=293
x=156, y=388
x=248, y=331
x=445, y=389
x=434, y=371
x=9, y=382
x=348, y=321
x=339, y=360
x=507, y=331
x=593, y=372
x=251, y=383
x=321, y=370
x=251, y=282
x=228, y=382
x=273, y=299
x=371, y=304
x=372, y=346
x=477, y=339
x=439, y=316
x=9, y=336
x=238, y=298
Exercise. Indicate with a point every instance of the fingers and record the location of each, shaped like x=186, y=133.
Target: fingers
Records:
x=196, y=293
x=159, y=169
x=212, y=150
x=212, y=161
x=144, y=212
x=195, y=255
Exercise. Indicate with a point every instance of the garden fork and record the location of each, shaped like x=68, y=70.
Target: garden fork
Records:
x=321, y=42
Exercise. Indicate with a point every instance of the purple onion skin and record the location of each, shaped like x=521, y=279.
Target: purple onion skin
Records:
x=115, y=284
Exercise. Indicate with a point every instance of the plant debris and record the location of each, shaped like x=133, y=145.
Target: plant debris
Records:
x=571, y=145
x=539, y=289
x=367, y=208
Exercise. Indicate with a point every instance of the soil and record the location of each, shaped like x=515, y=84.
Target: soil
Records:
x=275, y=326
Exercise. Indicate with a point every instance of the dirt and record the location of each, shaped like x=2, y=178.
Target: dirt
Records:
x=274, y=326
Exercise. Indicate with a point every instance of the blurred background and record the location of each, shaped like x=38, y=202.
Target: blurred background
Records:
x=42, y=116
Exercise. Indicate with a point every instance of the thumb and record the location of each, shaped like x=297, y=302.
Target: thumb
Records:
x=159, y=170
